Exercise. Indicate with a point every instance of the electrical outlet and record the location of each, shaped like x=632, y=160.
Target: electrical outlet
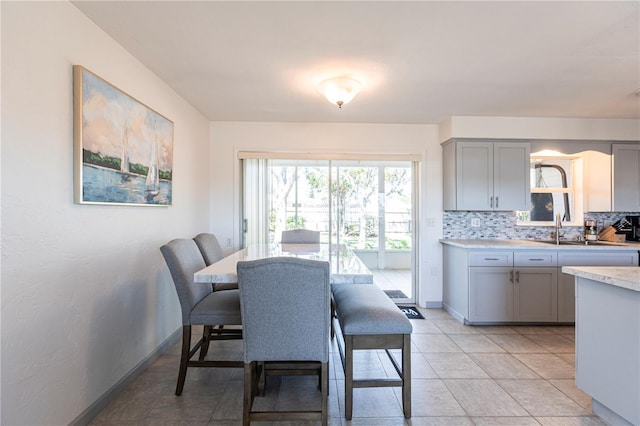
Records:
x=229, y=242
x=475, y=222
x=431, y=222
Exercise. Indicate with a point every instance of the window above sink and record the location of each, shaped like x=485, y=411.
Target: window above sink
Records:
x=555, y=189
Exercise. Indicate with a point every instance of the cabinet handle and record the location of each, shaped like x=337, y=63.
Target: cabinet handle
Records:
x=517, y=276
x=535, y=260
x=491, y=201
x=491, y=258
x=511, y=276
x=497, y=202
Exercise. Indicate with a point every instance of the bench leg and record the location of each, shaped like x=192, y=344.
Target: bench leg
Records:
x=348, y=376
x=406, y=376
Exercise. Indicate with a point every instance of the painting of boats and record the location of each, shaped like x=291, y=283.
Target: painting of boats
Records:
x=123, y=150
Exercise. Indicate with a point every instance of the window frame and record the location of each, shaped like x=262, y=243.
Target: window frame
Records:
x=575, y=188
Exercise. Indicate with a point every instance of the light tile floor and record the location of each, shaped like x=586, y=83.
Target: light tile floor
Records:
x=393, y=279
x=462, y=375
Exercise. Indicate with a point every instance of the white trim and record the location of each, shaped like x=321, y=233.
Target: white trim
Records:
x=271, y=155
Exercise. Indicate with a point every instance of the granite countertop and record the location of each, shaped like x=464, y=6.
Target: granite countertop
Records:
x=538, y=245
x=620, y=276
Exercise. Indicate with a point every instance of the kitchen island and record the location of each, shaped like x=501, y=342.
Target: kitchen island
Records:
x=608, y=340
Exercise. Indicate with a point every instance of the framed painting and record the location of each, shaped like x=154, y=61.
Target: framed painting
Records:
x=123, y=150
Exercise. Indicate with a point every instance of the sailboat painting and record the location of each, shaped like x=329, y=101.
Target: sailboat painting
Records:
x=123, y=150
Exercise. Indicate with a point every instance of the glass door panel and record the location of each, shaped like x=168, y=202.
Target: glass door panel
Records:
x=367, y=205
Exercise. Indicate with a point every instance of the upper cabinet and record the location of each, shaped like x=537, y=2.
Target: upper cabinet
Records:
x=486, y=176
x=626, y=177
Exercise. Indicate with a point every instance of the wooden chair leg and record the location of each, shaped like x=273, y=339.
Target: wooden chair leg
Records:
x=184, y=358
x=206, y=336
x=324, y=392
x=406, y=376
x=249, y=386
x=261, y=378
x=348, y=376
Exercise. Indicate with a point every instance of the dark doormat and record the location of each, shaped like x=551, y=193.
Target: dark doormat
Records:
x=411, y=312
x=396, y=294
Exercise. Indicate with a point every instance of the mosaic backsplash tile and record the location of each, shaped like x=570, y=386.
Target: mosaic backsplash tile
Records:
x=502, y=225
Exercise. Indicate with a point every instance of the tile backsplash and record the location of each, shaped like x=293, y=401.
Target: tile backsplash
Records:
x=502, y=225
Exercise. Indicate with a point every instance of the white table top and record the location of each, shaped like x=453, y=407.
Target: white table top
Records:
x=346, y=267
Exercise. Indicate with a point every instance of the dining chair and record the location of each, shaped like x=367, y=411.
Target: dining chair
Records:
x=212, y=252
x=200, y=305
x=300, y=236
x=285, y=313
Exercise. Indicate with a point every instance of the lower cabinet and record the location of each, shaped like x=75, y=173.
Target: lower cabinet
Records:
x=535, y=295
x=566, y=297
x=522, y=286
x=490, y=294
x=502, y=294
x=566, y=282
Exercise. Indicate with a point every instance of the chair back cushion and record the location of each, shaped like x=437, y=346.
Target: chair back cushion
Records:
x=285, y=308
x=184, y=259
x=300, y=236
x=209, y=247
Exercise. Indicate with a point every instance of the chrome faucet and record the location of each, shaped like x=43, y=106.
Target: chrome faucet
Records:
x=558, y=226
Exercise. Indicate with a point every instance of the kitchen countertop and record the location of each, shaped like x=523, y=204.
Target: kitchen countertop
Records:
x=536, y=245
x=620, y=276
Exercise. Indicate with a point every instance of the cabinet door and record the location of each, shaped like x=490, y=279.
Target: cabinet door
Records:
x=474, y=175
x=511, y=165
x=566, y=282
x=535, y=294
x=490, y=294
x=626, y=177
x=566, y=297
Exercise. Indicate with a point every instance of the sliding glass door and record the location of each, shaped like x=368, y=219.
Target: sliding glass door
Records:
x=367, y=205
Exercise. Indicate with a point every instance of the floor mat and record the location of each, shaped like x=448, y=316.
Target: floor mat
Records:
x=411, y=312
x=396, y=294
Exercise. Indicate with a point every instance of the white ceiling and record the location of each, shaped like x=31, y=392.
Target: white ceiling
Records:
x=419, y=61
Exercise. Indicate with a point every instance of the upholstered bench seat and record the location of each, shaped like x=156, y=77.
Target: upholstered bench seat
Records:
x=368, y=319
x=365, y=309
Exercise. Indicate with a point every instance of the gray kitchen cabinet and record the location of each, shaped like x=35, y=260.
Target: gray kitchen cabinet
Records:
x=512, y=287
x=503, y=294
x=535, y=294
x=493, y=285
x=485, y=175
x=566, y=282
x=490, y=294
x=626, y=177
x=535, y=282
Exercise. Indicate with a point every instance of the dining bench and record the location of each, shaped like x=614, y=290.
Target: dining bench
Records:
x=368, y=319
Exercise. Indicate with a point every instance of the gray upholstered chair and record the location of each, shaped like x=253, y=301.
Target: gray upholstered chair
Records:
x=200, y=306
x=285, y=313
x=300, y=236
x=212, y=252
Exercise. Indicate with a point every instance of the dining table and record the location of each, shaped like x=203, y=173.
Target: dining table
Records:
x=346, y=266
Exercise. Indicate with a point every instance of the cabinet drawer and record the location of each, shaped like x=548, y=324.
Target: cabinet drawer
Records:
x=533, y=259
x=491, y=258
x=617, y=258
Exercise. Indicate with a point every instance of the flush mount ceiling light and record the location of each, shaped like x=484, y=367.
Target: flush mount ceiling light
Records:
x=339, y=90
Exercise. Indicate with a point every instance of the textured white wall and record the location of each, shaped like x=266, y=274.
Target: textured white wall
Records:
x=228, y=138
x=86, y=295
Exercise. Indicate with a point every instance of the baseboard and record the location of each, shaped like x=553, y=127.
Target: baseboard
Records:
x=433, y=305
x=94, y=409
x=454, y=313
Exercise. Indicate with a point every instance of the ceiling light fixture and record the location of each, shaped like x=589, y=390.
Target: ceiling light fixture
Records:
x=339, y=90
